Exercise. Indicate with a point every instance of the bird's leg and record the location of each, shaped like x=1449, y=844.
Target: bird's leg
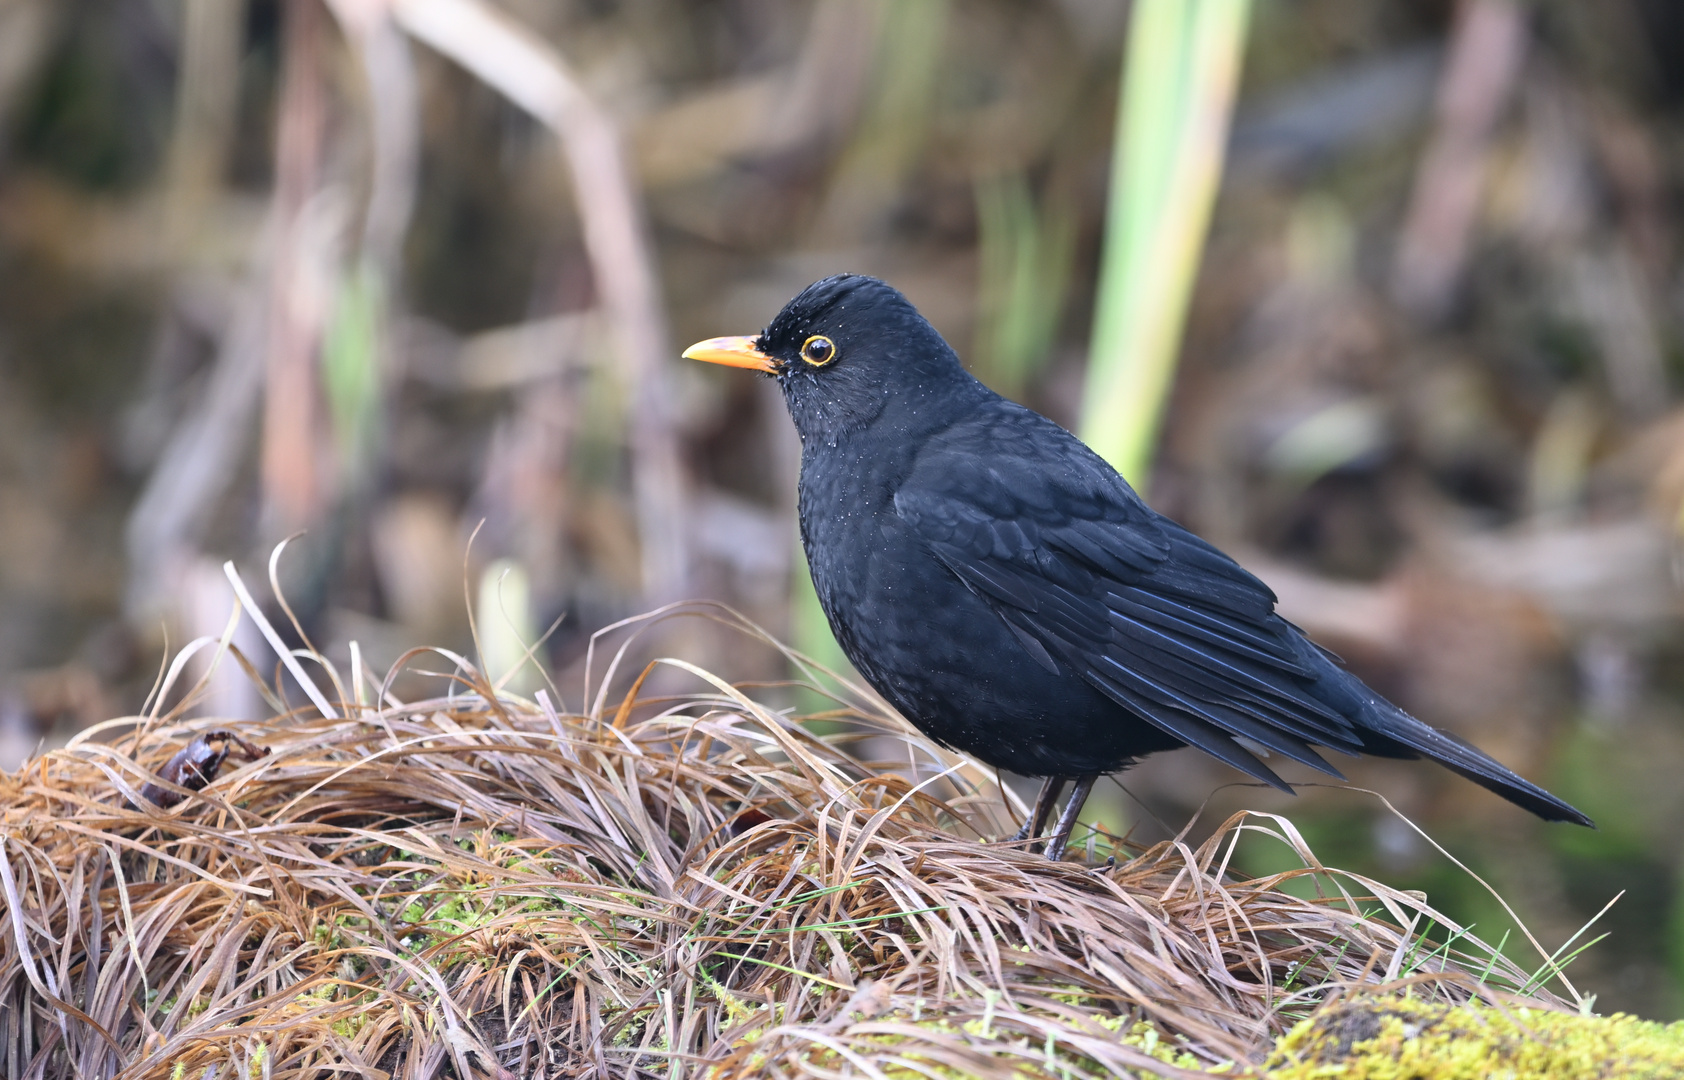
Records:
x=1067, y=820
x=1050, y=787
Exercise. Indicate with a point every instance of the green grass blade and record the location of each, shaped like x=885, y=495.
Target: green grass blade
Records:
x=1179, y=77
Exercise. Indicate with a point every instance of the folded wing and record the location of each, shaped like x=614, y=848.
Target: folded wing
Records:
x=1090, y=579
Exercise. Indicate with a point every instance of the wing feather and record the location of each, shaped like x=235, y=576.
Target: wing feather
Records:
x=1146, y=612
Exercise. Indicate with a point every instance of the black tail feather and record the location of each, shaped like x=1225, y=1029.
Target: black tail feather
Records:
x=1464, y=759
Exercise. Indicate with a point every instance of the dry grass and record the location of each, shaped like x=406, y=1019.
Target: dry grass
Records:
x=476, y=885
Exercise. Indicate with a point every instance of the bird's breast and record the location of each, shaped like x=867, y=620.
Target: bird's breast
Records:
x=934, y=648
x=888, y=599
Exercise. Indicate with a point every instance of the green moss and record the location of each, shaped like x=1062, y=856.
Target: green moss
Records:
x=1142, y=1036
x=1369, y=1039
x=1403, y=1039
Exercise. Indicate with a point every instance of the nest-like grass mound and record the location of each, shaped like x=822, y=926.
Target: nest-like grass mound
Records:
x=481, y=885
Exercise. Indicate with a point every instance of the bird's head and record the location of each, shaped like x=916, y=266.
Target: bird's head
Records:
x=843, y=350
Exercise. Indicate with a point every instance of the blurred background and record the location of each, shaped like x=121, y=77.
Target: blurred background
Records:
x=385, y=271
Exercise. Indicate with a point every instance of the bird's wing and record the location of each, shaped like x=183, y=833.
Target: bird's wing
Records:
x=1086, y=575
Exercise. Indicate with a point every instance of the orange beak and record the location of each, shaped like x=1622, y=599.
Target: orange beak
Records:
x=743, y=352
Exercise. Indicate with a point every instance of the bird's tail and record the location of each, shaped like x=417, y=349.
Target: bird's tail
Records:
x=1388, y=731
x=1401, y=735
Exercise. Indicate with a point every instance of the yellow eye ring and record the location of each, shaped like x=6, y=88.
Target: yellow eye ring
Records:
x=818, y=350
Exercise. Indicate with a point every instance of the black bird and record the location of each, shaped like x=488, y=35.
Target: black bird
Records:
x=1004, y=588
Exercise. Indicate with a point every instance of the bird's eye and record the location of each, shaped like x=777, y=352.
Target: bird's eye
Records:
x=818, y=350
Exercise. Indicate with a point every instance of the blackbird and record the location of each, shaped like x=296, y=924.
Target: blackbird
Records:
x=1003, y=587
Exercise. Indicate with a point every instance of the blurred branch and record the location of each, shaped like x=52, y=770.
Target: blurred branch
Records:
x=355, y=344
x=512, y=357
x=291, y=487
x=904, y=75
x=1177, y=92
x=1373, y=617
x=831, y=75
x=394, y=111
x=811, y=102
x=529, y=73
x=1364, y=102
x=1486, y=50
x=1606, y=573
x=207, y=98
x=202, y=455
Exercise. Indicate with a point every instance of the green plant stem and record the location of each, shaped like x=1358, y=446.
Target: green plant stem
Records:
x=1178, y=84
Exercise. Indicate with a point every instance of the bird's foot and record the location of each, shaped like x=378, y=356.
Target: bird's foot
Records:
x=1050, y=787
x=1060, y=838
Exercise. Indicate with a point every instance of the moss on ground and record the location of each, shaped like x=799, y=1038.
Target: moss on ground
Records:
x=1389, y=1038
x=1404, y=1039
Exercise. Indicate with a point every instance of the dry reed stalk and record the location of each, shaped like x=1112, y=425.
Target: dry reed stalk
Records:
x=692, y=886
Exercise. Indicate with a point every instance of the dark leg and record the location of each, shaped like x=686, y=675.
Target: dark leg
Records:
x=1067, y=820
x=1050, y=787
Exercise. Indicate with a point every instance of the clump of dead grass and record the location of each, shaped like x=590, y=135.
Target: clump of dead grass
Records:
x=685, y=884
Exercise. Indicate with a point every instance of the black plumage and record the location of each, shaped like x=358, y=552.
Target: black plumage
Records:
x=1005, y=589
